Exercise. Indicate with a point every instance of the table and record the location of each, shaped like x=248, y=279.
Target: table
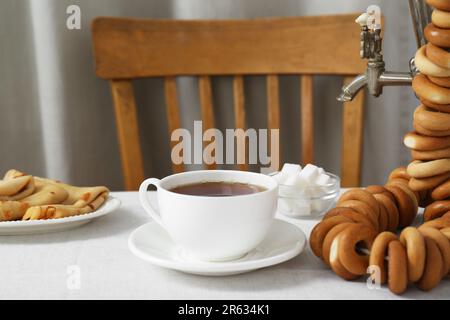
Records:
x=94, y=262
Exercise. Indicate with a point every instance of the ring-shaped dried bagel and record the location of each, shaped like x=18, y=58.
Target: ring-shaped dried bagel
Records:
x=378, y=253
x=443, y=245
x=438, y=55
x=427, y=90
x=431, y=133
x=320, y=231
x=375, y=189
x=425, y=169
x=336, y=264
x=437, y=36
x=419, y=142
x=432, y=274
x=391, y=209
x=440, y=81
x=428, y=67
x=404, y=185
x=446, y=232
x=442, y=191
x=326, y=246
x=430, y=155
x=436, y=106
x=353, y=215
x=399, y=172
x=362, y=208
x=443, y=5
x=436, y=210
x=441, y=19
x=348, y=239
x=406, y=203
x=414, y=243
x=383, y=218
x=430, y=119
x=428, y=183
x=439, y=223
x=361, y=195
x=397, y=267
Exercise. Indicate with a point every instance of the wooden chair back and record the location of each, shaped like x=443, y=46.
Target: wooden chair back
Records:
x=126, y=49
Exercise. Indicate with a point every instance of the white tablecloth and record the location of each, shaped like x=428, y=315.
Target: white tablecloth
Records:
x=42, y=267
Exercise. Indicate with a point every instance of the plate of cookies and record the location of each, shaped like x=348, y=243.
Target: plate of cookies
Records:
x=30, y=204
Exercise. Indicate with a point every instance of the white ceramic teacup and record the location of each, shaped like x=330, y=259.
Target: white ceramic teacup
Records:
x=213, y=228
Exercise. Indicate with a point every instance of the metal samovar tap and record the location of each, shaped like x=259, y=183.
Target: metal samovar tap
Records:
x=376, y=77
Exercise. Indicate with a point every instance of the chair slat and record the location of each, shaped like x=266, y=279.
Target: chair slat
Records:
x=128, y=133
x=173, y=114
x=352, y=141
x=307, y=119
x=207, y=109
x=239, y=114
x=273, y=105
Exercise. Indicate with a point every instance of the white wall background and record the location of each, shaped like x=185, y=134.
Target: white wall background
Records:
x=57, y=117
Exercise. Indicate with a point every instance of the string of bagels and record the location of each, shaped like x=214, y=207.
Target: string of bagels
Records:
x=370, y=228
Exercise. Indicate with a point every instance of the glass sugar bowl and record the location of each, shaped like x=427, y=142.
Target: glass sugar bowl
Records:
x=310, y=201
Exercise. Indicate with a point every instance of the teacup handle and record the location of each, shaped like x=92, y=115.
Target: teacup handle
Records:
x=146, y=203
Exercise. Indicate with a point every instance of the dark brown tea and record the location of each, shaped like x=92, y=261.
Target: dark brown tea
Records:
x=218, y=189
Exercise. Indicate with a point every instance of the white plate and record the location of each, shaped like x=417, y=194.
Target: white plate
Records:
x=10, y=228
x=152, y=243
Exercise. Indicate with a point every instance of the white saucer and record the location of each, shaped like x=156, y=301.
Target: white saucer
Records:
x=11, y=228
x=152, y=243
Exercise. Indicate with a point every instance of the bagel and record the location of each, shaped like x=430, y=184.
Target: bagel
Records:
x=349, y=213
x=437, y=36
x=435, y=106
x=432, y=133
x=439, y=223
x=383, y=218
x=446, y=232
x=428, y=183
x=442, y=82
x=443, y=5
x=441, y=18
x=320, y=231
x=433, y=266
x=406, y=202
x=391, y=209
x=336, y=264
x=418, y=142
x=436, y=210
x=430, y=155
x=326, y=246
x=437, y=55
x=428, y=67
x=430, y=119
x=442, y=191
x=397, y=267
x=374, y=189
x=363, y=196
x=421, y=169
x=399, y=173
x=443, y=245
x=427, y=90
x=362, y=208
x=379, y=252
x=414, y=243
x=355, y=234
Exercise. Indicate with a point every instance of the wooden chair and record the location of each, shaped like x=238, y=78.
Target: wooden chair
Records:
x=125, y=49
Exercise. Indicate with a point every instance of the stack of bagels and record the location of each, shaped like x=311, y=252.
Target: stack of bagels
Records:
x=430, y=140
x=358, y=236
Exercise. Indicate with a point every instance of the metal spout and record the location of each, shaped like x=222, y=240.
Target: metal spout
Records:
x=350, y=90
x=376, y=77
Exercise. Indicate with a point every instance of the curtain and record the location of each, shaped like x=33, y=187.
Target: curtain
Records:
x=57, y=117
